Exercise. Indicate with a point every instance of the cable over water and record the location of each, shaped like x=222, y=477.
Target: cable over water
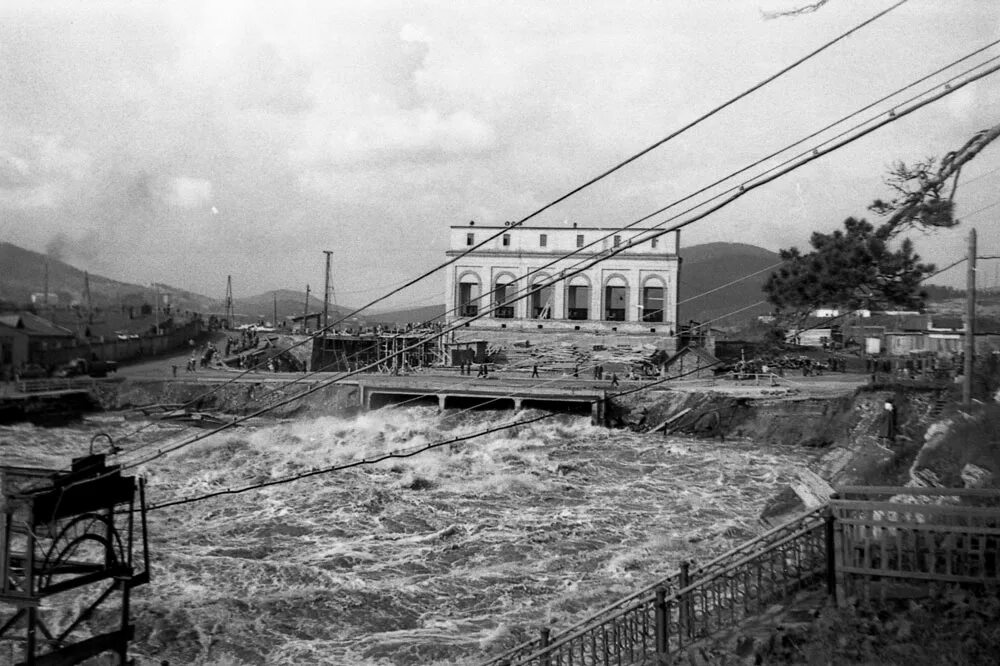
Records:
x=438, y=559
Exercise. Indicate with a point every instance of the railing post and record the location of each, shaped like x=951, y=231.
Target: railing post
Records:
x=661, y=625
x=831, y=555
x=684, y=618
x=839, y=548
x=544, y=643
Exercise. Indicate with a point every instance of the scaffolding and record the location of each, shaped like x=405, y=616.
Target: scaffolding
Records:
x=68, y=560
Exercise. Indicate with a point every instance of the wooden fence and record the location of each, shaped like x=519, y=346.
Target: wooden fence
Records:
x=887, y=536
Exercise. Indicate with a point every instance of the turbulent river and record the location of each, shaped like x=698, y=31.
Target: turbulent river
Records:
x=443, y=558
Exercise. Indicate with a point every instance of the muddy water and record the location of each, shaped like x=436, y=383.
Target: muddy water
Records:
x=443, y=558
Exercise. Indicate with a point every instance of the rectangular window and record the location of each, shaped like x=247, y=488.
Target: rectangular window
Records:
x=618, y=241
x=654, y=242
x=543, y=240
x=470, y=239
x=579, y=240
x=506, y=240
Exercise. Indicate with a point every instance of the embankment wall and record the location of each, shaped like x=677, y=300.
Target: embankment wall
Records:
x=242, y=397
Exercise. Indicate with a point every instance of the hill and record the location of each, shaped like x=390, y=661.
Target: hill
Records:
x=24, y=274
x=290, y=303
x=410, y=315
x=712, y=265
x=705, y=267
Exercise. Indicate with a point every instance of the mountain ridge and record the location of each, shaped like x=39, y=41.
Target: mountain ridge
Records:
x=713, y=287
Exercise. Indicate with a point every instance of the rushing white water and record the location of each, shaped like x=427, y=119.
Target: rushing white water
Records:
x=443, y=558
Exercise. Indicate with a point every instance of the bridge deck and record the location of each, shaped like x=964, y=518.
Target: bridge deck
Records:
x=517, y=392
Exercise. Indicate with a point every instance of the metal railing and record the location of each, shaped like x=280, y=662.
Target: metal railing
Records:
x=629, y=619
x=667, y=621
x=52, y=384
x=858, y=539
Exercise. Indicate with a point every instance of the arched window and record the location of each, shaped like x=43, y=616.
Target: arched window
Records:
x=615, y=298
x=469, y=291
x=503, y=289
x=578, y=298
x=653, y=299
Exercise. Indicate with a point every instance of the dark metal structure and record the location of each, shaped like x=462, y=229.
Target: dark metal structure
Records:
x=70, y=554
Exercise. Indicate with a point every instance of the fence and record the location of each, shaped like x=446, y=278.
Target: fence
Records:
x=887, y=536
x=53, y=384
x=629, y=621
x=851, y=545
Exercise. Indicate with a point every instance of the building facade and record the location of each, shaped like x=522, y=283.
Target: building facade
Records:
x=555, y=277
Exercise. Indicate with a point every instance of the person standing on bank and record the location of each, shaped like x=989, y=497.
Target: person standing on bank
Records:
x=889, y=421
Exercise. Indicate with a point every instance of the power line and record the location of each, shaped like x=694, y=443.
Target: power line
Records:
x=702, y=190
x=417, y=450
x=406, y=453
x=743, y=190
x=528, y=288
x=639, y=154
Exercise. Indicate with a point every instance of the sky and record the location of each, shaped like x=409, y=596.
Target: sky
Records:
x=185, y=142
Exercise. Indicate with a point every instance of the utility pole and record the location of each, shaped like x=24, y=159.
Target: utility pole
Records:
x=86, y=291
x=156, y=307
x=305, y=310
x=274, y=321
x=970, y=321
x=45, y=296
x=229, y=302
x=326, y=293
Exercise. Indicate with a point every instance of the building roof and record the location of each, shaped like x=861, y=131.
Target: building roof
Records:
x=700, y=352
x=32, y=324
x=957, y=323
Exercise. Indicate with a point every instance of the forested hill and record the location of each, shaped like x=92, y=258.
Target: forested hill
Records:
x=711, y=265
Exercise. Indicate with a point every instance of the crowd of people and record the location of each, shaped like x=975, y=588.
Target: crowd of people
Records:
x=779, y=366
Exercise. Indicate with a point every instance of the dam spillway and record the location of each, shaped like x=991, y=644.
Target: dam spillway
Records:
x=569, y=396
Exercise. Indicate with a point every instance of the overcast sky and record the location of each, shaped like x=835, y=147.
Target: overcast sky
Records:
x=184, y=142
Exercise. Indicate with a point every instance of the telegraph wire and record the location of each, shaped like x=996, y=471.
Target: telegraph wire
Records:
x=639, y=154
x=578, y=250
x=547, y=380
x=528, y=288
x=743, y=190
x=404, y=453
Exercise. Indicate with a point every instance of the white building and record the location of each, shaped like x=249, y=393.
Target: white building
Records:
x=523, y=278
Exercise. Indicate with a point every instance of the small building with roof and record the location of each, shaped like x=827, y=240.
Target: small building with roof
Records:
x=26, y=338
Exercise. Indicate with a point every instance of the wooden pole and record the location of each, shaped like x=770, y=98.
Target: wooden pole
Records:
x=970, y=321
x=326, y=292
x=305, y=311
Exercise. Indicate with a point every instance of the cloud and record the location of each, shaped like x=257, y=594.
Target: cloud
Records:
x=187, y=192
x=38, y=170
